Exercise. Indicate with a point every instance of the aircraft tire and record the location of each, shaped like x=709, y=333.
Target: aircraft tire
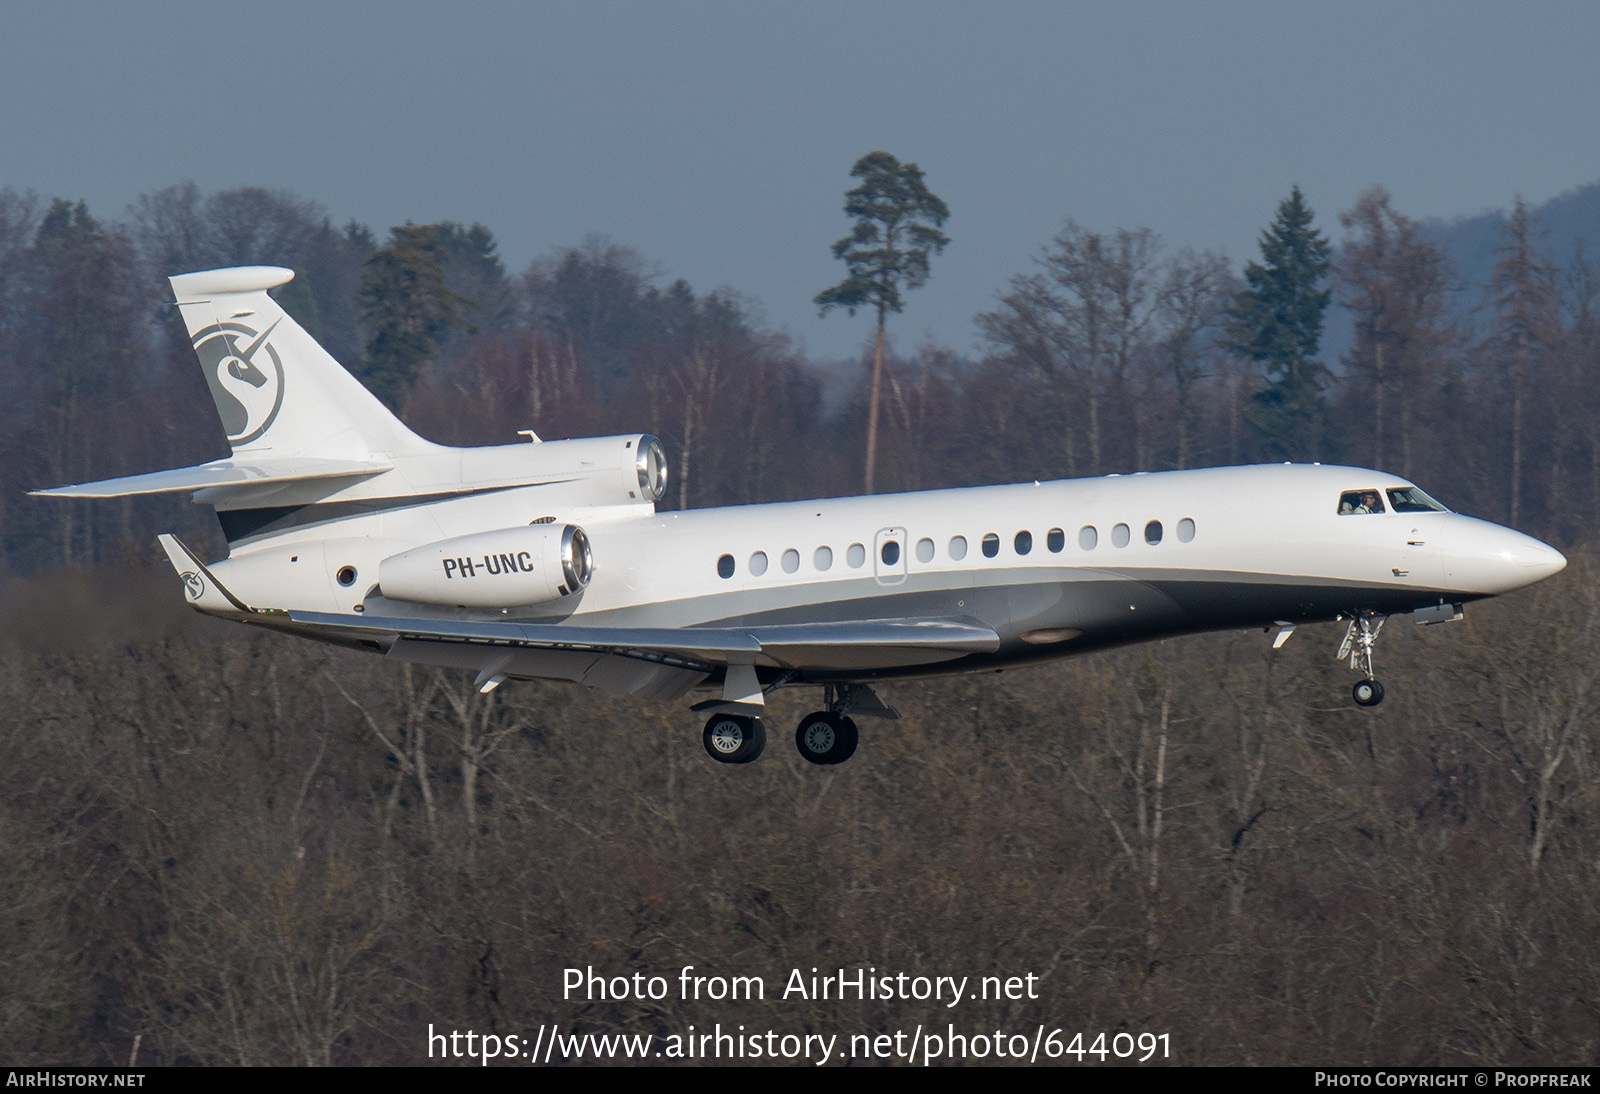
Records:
x=825, y=738
x=734, y=738
x=1367, y=693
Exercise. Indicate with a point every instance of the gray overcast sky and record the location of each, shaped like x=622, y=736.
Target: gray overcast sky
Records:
x=716, y=138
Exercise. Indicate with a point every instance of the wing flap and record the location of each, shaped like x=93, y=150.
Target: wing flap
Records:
x=693, y=646
x=856, y=645
x=874, y=643
x=219, y=473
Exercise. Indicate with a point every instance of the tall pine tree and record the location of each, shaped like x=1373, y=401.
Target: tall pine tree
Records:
x=1277, y=323
x=897, y=227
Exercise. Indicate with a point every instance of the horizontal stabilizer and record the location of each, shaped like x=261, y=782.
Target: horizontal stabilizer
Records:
x=220, y=473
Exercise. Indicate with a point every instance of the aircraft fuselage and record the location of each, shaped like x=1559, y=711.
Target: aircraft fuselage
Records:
x=1054, y=568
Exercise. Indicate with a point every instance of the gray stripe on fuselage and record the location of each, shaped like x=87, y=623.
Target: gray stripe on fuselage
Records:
x=1108, y=607
x=1019, y=598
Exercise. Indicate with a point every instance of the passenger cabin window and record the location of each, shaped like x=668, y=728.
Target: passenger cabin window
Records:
x=924, y=550
x=1408, y=499
x=991, y=545
x=890, y=553
x=1120, y=535
x=758, y=563
x=1088, y=537
x=856, y=556
x=1352, y=502
x=725, y=566
x=823, y=559
x=1152, y=533
x=958, y=547
x=1055, y=539
x=1185, y=530
x=1024, y=542
x=791, y=561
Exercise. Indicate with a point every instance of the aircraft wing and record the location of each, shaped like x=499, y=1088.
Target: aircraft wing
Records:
x=219, y=473
x=872, y=643
x=658, y=662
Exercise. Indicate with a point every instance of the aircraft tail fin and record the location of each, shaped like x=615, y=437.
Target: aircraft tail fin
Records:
x=279, y=393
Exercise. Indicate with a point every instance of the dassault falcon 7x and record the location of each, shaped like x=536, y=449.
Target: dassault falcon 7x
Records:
x=549, y=559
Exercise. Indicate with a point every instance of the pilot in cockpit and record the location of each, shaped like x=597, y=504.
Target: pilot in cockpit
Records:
x=1360, y=501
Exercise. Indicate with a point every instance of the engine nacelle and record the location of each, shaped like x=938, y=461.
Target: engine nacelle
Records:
x=623, y=470
x=502, y=569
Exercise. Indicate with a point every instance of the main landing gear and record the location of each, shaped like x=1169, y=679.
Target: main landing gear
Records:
x=734, y=738
x=825, y=737
x=1357, y=645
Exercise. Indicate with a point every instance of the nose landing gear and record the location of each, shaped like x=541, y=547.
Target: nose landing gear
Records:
x=1357, y=645
x=1367, y=693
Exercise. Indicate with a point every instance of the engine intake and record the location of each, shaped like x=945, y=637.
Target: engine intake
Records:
x=501, y=569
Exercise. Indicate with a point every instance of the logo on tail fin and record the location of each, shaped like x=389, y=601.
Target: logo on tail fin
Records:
x=245, y=376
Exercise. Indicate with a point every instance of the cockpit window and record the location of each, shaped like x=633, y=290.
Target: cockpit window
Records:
x=1360, y=501
x=1408, y=499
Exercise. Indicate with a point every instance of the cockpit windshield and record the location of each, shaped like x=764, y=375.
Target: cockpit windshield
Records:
x=1360, y=501
x=1408, y=499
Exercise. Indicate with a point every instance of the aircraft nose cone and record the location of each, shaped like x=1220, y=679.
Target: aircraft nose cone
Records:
x=1484, y=557
x=1539, y=560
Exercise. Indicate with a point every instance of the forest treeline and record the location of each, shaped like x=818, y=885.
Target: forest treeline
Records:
x=225, y=846
x=240, y=848
x=1114, y=352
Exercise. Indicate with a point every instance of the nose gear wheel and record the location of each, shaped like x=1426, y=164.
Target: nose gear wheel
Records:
x=1359, y=640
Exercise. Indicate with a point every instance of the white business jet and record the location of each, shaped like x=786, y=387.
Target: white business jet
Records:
x=549, y=560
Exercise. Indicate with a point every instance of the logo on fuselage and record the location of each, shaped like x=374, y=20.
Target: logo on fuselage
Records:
x=245, y=376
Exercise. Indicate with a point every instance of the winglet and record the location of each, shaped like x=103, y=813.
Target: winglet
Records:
x=201, y=588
